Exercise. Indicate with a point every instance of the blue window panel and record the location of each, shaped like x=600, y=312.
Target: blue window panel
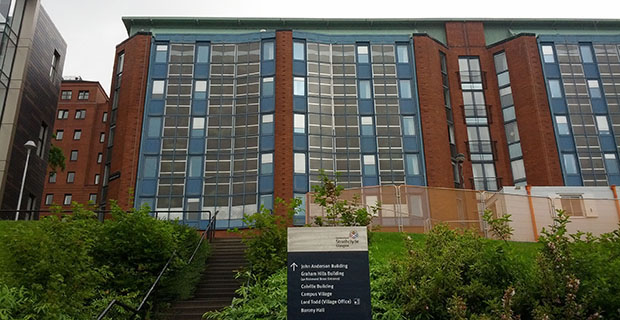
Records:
x=153, y=127
x=269, y=50
x=148, y=202
x=404, y=86
x=199, y=107
x=608, y=143
x=509, y=113
x=368, y=130
x=194, y=169
x=299, y=68
x=156, y=108
x=268, y=88
x=590, y=70
x=599, y=106
x=611, y=163
x=265, y=184
x=559, y=106
x=266, y=143
x=414, y=180
x=299, y=104
x=368, y=144
x=411, y=144
x=574, y=180
x=412, y=164
x=408, y=126
x=562, y=124
x=300, y=183
x=268, y=68
x=570, y=163
x=370, y=181
x=402, y=53
x=221, y=224
x=552, y=71
x=404, y=71
x=149, y=167
x=201, y=71
x=161, y=53
x=148, y=187
x=363, y=71
x=363, y=53
x=299, y=50
x=366, y=107
x=196, y=146
x=614, y=179
x=594, y=88
x=299, y=86
x=235, y=223
x=266, y=200
x=266, y=168
x=555, y=88
x=407, y=106
x=364, y=90
x=514, y=150
x=566, y=143
x=586, y=53
x=202, y=53
x=300, y=142
x=159, y=70
x=151, y=146
x=266, y=128
x=194, y=187
x=267, y=104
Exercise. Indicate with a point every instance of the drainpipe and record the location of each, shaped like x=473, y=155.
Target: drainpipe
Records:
x=613, y=190
x=528, y=188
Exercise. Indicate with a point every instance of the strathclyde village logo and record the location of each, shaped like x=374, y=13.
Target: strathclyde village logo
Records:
x=346, y=242
x=353, y=235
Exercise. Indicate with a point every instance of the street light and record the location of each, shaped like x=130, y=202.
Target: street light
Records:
x=460, y=158
x=30, y=145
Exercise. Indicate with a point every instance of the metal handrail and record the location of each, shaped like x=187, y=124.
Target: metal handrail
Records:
x=209, y=233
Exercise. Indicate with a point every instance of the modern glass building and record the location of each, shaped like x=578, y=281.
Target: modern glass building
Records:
x=229, y=114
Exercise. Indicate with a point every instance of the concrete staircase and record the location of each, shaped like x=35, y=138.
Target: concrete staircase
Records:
x=217, y=286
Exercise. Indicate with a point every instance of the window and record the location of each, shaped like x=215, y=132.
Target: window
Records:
x=200, y=89
x=518, y=169
x=611, y=163
x=408, y=126
x=97, y=176
x=562, y=123
x=300, y=163
x=364, y=92
x=153, y=127
x=195, y=166
x=402, y=54
x=367, y=127
x=70, y=177
x=66, y=94
x=413, y=166
x=63, y=114
x=161, y=53
x=92, y=198
x=158, y=89
x=52, y=177
x=67, y=200
x=150, y=167
x=369, y=165
x=202, y=54
x=80, y=114
x=573, y=205
x=120, y=63
x=102, y=137
x=500, y=62
x=83, y=95
x=405, y=88
x=586, y=53
x=299, y=50
x=49, y=199
x=198, y=127
x=77, y=134
x=266, y=163
x=55, y=62
x=268, y=50
x=512, y=132
x=362, y=54
x=105, y=117
x=299, y=88
x=554, y=87
x=41, y=139
x=267, y=89
x=267, y=124
x=74, y=155
x=59, y=134
x=602, y=124
x=570, y=163
x=595, y=90
x=299, y=123
x=99, y=157
x=548, y=56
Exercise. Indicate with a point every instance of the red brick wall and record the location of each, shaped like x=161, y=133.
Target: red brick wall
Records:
x=540, y=154
x=126, y=149
x=86, y=166
x=432, y=113
x=283, y=155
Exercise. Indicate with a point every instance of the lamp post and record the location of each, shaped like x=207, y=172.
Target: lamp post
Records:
x=29, y=146
x=460, y=158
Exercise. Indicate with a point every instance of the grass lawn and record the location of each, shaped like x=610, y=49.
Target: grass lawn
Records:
x=388, y=246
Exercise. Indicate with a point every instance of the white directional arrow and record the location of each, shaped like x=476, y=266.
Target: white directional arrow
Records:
x=293, y=266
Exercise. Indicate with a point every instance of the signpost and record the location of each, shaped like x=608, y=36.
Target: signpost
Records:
x=328, y=276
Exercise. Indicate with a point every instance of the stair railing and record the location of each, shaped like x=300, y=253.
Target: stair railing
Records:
x=209, y=234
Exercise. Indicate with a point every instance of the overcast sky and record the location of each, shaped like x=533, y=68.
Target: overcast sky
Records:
x=93, y=28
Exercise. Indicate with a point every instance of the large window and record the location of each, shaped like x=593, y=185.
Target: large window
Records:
x=299, y=86
x=299, y=50
x=42, y=139
x=268, y=50
x=554, y=88
x=362, y=54
x=586, y=53
x=548, y=56
x=570, y=163
x=365, y=92
x=405, y=88
x=402, y=54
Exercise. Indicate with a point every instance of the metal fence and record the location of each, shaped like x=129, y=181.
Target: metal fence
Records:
x=419, y=209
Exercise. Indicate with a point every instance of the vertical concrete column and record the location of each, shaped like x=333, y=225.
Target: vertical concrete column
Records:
x=283, y=153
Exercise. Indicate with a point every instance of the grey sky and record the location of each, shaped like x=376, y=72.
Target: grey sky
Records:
x=93, y=28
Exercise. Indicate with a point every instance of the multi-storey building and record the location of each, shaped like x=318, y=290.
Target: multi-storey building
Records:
x=31, y=60
x=80, y=131
x=229, y=114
